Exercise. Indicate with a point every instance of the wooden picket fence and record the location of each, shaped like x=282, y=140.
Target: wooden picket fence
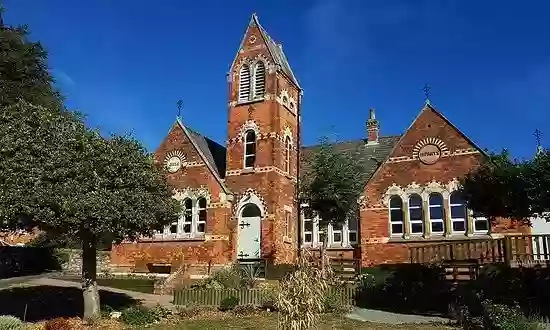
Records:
x=214, y=297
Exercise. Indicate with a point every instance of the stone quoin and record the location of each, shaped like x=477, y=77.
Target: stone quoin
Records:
x=239, y=199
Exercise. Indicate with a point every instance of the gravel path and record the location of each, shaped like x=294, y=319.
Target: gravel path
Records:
x=375, y=316
x=149, y=300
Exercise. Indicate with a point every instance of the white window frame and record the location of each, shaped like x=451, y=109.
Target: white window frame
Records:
x=481, y=218
x=453, y=220
x=288, y=148
x=356, y=240
x=243, y=96
x=421, y=221
x=438, y=220
x=254, y=93
x=392, y=222
x=199, y=221
x=333, y=231
x=183, y=219
x=245, y=144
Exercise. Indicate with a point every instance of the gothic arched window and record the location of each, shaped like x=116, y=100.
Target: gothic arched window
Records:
x=288, y=148
x=415, y=214
x=396, y=216
x=459, y=215
x=187, y=215
x=201, y=221
x=436, y=213
x=249, y=149
x=259, y=80
x=244, y=83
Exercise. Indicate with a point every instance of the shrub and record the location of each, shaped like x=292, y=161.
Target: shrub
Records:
x=63, y=324
x=270, y=293
x=301, y=295
x=8, y=322
x=243, y=310
x=189, y=310
x=249, y=276
x=229, y=303
x=497, y=316
x=225, y=278
x=161, y=312
x=334, y=301
x=138, y=316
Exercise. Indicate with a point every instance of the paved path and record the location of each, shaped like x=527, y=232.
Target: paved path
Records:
x=376, y=316
x=147, y=299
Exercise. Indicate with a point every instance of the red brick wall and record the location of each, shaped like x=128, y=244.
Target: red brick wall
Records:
x=268, y=180
x=401, y=170
x=195, y=175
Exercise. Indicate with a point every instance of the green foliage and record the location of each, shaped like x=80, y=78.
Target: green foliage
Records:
x=8, y=322
x=503, y=187
x=24, y=72
x=229, y=303
x=335, y=301
x=225, y=278
x=503, y=317
x=270, y=294
x=138, y=316
x=331, y=184
x=250, y=275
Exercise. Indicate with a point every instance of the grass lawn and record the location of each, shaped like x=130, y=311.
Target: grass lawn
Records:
x=144, y=285
x=270, y=322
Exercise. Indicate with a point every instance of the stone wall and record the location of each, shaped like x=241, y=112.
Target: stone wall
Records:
x=72, y=261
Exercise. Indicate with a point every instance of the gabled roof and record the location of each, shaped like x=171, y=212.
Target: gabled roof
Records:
x=212, y=153
x=372, y=156
x=274, y=49
x=429, y=105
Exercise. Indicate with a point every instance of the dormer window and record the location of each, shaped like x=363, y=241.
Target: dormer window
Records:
x=249, y=149
x=244, y=83
x=259, y=80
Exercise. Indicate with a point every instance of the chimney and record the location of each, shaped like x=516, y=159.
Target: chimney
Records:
x=373, y=128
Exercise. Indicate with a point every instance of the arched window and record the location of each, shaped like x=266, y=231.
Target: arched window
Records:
x=251, y=210
x=415, y=214
x=288, y=148
x=201, y=221
x=187, y=215
x=459, y=216
x=396, y=216
x=259, y=80
x=249, y=149
x=436, y=213
x=244, y=83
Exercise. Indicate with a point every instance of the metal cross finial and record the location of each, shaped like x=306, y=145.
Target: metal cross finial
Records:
x=538, y=135
x=180, y=105
x=426, y=90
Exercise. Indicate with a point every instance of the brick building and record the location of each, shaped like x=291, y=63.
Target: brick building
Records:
x=240, y=199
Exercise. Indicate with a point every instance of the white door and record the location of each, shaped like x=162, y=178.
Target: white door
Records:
x=249, y=230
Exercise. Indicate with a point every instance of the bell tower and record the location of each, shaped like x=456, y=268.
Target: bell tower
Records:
x=263, y=144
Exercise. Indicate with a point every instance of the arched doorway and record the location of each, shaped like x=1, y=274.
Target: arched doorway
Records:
x=249, y=229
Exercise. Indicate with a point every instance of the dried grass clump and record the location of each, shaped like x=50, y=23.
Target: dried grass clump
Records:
x=61, y=323
x=301, y=297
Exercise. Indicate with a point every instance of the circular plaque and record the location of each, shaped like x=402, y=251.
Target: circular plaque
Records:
x=173, y=164
x=429, y=154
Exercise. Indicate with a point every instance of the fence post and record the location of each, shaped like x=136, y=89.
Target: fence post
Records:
x=507, y=246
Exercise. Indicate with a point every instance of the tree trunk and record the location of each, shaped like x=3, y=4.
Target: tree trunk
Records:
x=323, y=250
x=90, y=291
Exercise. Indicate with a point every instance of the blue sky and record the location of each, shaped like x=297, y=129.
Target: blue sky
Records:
x=126, y=63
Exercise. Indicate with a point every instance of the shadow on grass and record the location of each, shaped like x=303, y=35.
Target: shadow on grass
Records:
x=48, y=302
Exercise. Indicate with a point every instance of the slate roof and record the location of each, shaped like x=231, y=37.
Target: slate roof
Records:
x=276, y=51
x=372, y=156
x=213, y=152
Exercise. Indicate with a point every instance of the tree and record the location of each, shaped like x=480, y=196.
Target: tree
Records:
x=508, y=188
x=331, y=185
x=23, y=70
x=59, y=176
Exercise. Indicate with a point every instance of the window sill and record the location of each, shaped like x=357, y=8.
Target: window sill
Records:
x=159, y=238
x=248, y=170
x=439, y=238
x=330, y=247
x=256, y=100
x=287, y=240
